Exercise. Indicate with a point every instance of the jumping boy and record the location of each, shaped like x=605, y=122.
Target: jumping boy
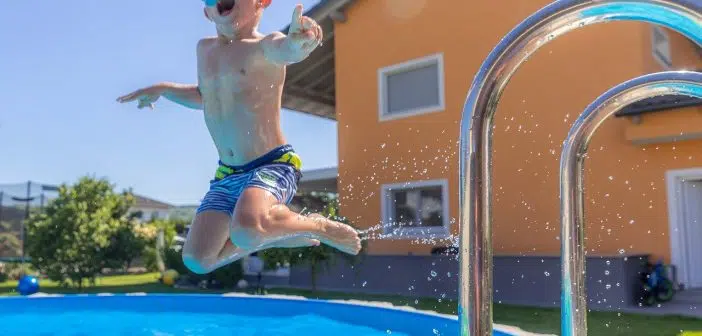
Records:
x=240, y=83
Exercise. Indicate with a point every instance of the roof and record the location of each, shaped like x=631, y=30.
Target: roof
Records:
x=148, y=203
x=310, y=85
x=658, y=104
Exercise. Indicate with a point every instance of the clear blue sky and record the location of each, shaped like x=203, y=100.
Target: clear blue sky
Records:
x=63, y=64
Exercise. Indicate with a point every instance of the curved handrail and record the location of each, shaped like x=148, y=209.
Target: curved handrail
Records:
x=573, y=298
x=556, y=19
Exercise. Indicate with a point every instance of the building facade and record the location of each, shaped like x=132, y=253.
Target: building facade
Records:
x=395, y=75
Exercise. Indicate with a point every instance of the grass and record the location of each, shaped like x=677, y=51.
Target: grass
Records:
x=132, y=283
x=540, y=320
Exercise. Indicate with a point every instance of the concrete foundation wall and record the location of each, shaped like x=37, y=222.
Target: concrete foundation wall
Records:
x=612, y=282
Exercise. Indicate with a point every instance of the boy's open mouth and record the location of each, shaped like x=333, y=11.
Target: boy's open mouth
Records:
x=225, y=6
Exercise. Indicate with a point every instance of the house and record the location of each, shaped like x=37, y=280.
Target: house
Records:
x=395, y=74
x=149, y=209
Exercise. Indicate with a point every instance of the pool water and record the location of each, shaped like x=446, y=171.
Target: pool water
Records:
x=114, y=323
x=211, y=315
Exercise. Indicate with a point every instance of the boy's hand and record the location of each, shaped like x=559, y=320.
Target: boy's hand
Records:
x=146, y=96
x=304, y=33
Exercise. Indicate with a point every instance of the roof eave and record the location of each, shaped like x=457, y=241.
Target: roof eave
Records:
x=310, y=85
x=325, y=9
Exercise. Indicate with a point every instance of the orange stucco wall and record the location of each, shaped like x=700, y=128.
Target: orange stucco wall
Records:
x=626, y=207
x=678, y=124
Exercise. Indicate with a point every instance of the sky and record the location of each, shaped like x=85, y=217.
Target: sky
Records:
x=63, y=64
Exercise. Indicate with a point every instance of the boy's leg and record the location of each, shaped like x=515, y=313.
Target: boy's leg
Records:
x=208, y=246
x=208, y=242
x=261, y=219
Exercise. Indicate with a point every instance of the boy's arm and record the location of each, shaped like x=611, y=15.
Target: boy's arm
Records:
x=187, y=95
x=303, y=37
x=183, y=94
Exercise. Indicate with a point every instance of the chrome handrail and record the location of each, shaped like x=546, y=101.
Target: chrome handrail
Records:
x=556, y=19
x=573, y=296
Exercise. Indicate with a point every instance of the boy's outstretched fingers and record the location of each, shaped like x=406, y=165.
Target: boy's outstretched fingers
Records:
x=129, y=97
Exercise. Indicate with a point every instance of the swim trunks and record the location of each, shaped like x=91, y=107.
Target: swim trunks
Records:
x=277, y=171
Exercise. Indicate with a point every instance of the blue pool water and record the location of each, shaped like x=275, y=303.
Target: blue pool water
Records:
x=114, y=323
x=210, y=315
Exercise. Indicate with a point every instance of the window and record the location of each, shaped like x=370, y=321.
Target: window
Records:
x=416, y=209
x=411, y=88
x=661, y=47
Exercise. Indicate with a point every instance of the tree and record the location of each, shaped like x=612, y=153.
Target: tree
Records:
x=72, y=239
x=319, y=258
x=129, y=243
x=155, y=249
x=9, y=245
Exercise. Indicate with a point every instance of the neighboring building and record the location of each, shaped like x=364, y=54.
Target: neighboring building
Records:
x=149, y=209
x=399, y=105
x=319, y=180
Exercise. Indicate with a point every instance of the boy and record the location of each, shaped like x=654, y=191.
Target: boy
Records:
x=240, y=82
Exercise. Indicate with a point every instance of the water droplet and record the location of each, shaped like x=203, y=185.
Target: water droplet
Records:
x=606, y=272
x=546, y=273
x=433, y=273
x=621, y=251
x=364, y=283
x=608, y=286
x=436, y=332
x=611, y=178
x=607, y=262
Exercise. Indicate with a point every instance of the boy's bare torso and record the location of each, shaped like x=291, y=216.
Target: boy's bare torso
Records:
x=241, y=95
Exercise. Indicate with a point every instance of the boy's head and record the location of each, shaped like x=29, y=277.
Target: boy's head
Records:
x=235, y=13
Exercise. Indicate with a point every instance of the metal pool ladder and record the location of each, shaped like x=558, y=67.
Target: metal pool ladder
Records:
x=556, y=19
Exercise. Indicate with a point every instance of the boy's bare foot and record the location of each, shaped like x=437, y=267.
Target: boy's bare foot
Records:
x=296, y=242
x=338, y=235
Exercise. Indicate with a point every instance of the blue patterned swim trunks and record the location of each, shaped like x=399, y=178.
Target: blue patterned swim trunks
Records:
x=277, y=171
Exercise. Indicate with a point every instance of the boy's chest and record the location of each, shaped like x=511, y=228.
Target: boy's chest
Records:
x=231, y=63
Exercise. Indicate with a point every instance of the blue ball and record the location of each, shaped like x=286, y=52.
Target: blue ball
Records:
x=28, y=285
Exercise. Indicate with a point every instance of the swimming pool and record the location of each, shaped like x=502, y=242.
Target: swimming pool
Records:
x=211, y=315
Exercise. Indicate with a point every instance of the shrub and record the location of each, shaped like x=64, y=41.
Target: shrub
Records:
x=3, y=273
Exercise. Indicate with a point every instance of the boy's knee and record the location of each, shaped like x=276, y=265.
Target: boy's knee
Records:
x=196, y=263
x=249, y=219
x=249, y=229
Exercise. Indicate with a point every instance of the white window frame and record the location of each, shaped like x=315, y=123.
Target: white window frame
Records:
x=676, y=225
x=660, y=55
x=420, y=232
x=383, y=73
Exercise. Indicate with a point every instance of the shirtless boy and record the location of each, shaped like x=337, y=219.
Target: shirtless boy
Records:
x=240, y=83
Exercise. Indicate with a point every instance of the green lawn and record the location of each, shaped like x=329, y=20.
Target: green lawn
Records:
x=531, y=319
